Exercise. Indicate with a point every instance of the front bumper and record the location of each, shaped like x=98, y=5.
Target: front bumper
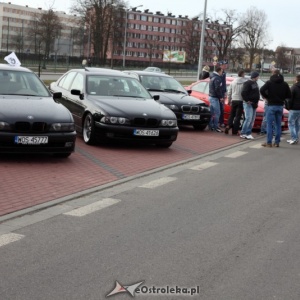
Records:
x=116, y=132
x=57, y=143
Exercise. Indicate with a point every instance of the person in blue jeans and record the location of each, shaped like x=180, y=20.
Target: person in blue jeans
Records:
x=224, y=91
x=263, y=127
x=250, y=95
x=294, y=112
x=276, y=91
x=215, y=97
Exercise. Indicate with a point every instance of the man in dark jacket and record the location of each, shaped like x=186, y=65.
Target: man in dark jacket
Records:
x=250, y=95
x=276, y=91
x=215, y=96
x=294, y=113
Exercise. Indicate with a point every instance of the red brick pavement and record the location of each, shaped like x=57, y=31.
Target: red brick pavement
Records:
x=30, y=180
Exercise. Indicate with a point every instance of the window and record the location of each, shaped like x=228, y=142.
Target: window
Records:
x=137, y=26
x=143, y=27
x=137, y=17
x=131, y=16
x=155, y=28
x=156, y=20
x=173, y=22
x=161, y=29
x=168, y=21
x=144, y=18
x=162, y=20
x=167, y=30
x=77, y=83
x=66, y=80
x=150, y=28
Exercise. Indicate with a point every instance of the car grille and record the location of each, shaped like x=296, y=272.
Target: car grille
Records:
x=145, y=122
x=189, y=108
x=30, y=127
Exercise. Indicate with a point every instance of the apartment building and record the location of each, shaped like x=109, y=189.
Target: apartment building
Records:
x=16, y=22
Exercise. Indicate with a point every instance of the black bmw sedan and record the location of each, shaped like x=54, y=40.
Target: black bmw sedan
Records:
x=31, y=121
x=188, y=109
x=110, y=105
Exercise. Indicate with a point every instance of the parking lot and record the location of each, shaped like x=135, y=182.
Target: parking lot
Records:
x=30, y=180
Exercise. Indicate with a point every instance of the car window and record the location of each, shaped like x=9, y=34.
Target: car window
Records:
x=77, y=83
x=65, y=82
x=202, y=87
x=21, y=83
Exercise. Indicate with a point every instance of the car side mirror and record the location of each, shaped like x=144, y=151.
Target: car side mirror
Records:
x=189, y=92
x=156, y=97
x=77, y=93
x=57, y=95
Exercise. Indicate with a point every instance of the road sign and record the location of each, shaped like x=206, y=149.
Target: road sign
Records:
x=215, y=58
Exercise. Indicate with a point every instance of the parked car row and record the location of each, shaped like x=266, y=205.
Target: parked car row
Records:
x=102, y=105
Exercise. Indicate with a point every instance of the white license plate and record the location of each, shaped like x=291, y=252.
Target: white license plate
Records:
x=143, y=132
x=190, y=117
x=31, y=140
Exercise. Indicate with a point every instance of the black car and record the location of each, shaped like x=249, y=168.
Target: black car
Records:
x=188, y=109
x=31, y=121
x=108, y=104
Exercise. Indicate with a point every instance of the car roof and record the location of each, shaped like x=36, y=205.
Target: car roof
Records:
x=14, y=68
x=100, y=71
x=149, y=73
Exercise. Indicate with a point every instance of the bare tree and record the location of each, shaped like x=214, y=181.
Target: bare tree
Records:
x=282, y=60
x=98, y=17
x=254, y=35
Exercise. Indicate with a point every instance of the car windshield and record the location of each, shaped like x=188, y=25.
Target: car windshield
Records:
x=162, y=83
x=115, y=86
x=22, y=83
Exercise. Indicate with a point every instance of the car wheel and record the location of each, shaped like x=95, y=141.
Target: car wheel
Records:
x=62, y=155
x=200, y=126
x=89, y=130
x=164, y=145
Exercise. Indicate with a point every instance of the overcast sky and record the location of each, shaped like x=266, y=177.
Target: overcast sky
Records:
x=282, y=16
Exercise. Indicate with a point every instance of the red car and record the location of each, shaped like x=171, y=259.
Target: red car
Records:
x=200, y=90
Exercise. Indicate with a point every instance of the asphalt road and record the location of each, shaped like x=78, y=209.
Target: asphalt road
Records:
x=227, y=223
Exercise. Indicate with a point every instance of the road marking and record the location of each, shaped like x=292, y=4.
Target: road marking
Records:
x=88, y=209
x=236, y=154
x=9, y=238
x=256, y=146
x=203, y=166
x=155, y=183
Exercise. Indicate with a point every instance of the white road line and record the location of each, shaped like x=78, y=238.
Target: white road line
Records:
x=203, y=166
x=88, y=209
x=9, y=238
x=236, y=154
x=155, y=183
x=257, y=146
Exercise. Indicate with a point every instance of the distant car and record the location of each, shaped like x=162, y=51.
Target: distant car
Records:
x=153, y=69
x=31, y=121
x=110, y=105
x=200, y=90
x=188, y=110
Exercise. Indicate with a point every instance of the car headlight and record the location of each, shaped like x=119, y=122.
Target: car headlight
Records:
x=4, y=126
x=115, y=120
x=168, y=123
x=65, y=127
x=172, y=106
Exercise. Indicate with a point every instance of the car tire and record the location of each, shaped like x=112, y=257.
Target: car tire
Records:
x=62, y=155
x=199, y=126
x=164, y=145
x=88, y=130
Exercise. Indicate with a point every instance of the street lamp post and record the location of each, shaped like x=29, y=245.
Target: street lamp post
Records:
x=125, y=33
x=202, y=41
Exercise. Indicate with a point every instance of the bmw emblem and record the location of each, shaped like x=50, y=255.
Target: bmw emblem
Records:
x=30, y=117
x=144, y=114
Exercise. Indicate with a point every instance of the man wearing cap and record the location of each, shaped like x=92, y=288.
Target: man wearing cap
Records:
x=250, y=94
x=276, y=91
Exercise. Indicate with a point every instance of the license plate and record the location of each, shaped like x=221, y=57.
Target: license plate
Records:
x=31, y=140
x=190, y=117
x=143, y=132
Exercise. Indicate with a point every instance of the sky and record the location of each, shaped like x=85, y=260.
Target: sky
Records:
x=282, y=16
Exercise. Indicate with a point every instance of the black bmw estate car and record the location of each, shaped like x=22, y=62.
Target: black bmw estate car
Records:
x=110, y=105
x=188, y=109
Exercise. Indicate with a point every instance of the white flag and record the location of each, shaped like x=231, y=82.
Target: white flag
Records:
x=12, y=59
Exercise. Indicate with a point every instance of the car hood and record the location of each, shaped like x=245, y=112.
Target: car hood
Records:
x=172, y=98
x=134, y=107
x=42, y=109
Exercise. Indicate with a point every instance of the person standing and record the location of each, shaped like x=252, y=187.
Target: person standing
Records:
x=250, y=95
x=205, y=73
x=294, y=112
x=235, y=100
x=215, y=97
x=224, y=91
x=276, y=91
